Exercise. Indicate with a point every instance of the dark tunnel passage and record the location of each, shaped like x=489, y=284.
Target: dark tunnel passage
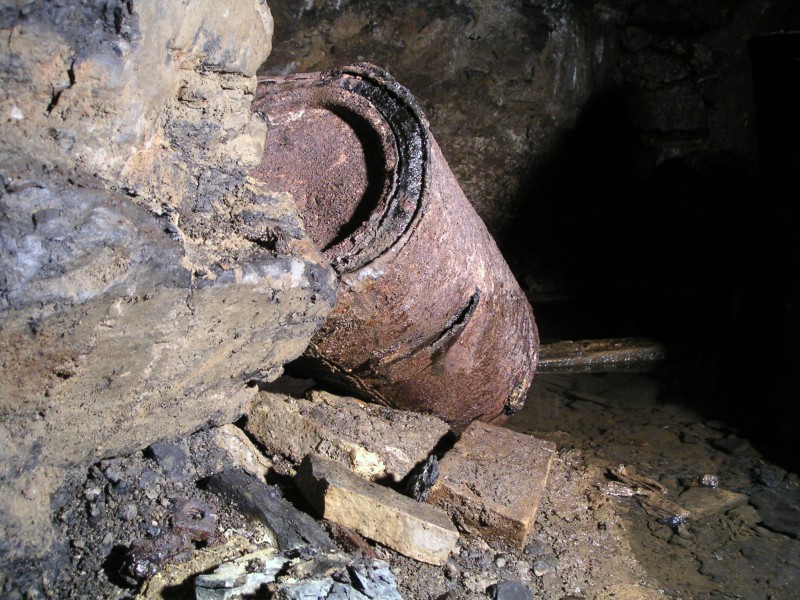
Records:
x=701, y=252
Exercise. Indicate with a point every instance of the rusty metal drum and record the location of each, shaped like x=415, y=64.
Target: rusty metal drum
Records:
x=428, y=317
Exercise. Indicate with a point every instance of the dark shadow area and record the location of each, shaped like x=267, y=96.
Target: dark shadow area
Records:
x=114, y=565
x=699, y=253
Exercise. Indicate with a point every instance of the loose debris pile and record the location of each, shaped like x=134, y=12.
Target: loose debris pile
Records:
x=197, y=518
x=212, y=517
x=332, y=575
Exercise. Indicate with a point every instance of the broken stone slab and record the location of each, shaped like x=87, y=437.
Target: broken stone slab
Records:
x=332, y=576
x=492, y=481
x=702, y=502
x=372, y=441
x=292, y=529
x=416, y=530
x=240, y=450
x=245, y=575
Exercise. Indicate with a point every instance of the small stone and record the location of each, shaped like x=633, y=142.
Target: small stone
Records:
x=523, y=569
x=511, y=590
x=96, y=511
x=113, y=473
x=91, y=493
x=535, y=547
x=746, y=514
x=128, y=511
x=711, y=481
x=119, y=489
x=170, y=457
x=500, y=561
x=477, y=582
x=545, y=565
x=147, y=480
x=683, y=530
x=375, y=580
x=108, y=540
x=422, y=478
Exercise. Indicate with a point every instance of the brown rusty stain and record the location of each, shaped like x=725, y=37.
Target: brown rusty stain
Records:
x=429, y=317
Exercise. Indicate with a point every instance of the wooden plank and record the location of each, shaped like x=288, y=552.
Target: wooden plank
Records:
x=633, y=355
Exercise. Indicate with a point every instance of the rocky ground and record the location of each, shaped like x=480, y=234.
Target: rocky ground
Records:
x=645, y=499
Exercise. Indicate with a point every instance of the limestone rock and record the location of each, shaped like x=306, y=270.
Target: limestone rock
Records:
x=85, y=84
x=371, y=440
x=414, y=529
x=145, y=279
x=491, y=482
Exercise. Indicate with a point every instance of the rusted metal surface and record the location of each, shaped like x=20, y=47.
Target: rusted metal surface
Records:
x=429, y=317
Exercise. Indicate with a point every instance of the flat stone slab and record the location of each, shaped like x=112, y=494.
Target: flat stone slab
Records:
x=704, y=502
x=417, y=530
x=491, y=482
x=371, y=440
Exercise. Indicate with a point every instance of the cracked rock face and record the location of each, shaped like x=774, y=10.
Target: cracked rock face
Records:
x=145, y=279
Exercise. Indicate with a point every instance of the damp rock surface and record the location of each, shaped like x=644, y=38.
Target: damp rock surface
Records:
x=146, y=280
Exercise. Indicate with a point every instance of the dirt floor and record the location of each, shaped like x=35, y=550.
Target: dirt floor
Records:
x=739, y=539
x=630, y=511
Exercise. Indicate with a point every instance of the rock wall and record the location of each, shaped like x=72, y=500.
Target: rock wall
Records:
x=145, y=279
x=520, y=89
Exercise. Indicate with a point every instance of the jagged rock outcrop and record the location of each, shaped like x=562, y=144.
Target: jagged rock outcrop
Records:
x=145, y=279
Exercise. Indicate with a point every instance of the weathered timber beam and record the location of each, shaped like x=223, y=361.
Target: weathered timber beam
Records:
x=634, y=355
